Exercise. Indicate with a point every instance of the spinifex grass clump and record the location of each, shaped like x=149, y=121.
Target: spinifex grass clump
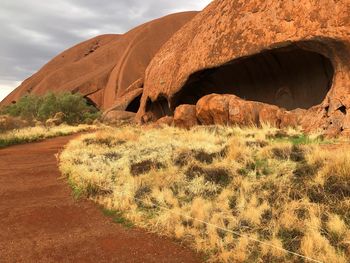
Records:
x=287, y=192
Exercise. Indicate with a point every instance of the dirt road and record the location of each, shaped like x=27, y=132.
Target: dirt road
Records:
x=40, y=221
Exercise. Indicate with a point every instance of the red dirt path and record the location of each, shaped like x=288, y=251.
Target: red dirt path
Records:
x=41, y=222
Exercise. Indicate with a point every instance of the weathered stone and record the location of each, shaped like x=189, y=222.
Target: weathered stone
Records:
x=185, y=116
x=335, y=125
x=204, y=112
x=228, y=109
x=346, y=125
x=286, y=67
x=167, y=120
x=241, y=112
x=296, y=56
x=57, y=120
x=291, y=119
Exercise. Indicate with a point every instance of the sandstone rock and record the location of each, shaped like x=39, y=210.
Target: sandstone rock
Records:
x=336, y=122
x=229, y=109
x=346, y=125
x=284, y=53
x=185, y=116
x=105, y=68
x=57, y=120
x=225, y=109
x=242, y=112
x=203, y=110
x=167, y=120
x=128, y=102
x=116, y=117
x=50, y=122
x=267, y=56
x=291, y=119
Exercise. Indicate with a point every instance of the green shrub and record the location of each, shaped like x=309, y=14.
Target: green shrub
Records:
x=74, y=107
x=26, y=107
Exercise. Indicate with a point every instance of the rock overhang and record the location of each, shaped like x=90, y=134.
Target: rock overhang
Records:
x=228, y=31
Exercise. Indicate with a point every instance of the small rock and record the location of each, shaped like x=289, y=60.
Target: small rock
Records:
x=185, y=116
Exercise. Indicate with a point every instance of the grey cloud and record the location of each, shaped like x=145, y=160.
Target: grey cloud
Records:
x=34, y=31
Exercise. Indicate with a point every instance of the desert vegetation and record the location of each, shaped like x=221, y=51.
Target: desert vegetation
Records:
x=74, y=108
x=33, y=118
x=38, y=133
x=237, y=195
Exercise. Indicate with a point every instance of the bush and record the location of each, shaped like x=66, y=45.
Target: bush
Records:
x=9, y=123
x=33, y=107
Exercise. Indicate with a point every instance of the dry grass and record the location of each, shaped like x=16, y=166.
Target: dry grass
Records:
x=281, y=187
x=32, y=134
x=8, y=123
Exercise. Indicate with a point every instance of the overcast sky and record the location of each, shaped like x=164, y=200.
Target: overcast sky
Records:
x=34, y=31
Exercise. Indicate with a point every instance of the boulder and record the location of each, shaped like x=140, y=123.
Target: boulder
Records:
x=185, y=116
x=228, y=109
x=57, y=120
x=167, y=120
x=291, y=118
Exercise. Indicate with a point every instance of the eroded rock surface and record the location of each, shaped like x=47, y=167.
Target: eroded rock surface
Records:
x=284, y=53
x=228, y=109
x=166, y=120
x=236, y=62
x=117, y=117
x=185, y=116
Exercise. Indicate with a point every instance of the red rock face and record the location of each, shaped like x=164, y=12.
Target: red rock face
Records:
x=108, y=69
x=115, y=117
x=284, y=53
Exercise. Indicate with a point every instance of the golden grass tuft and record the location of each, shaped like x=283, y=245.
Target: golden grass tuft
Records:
x=281, y=187
x=37, y=133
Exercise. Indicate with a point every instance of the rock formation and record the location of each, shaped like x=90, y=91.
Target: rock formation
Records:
x=236, y=62
x=290, y=54
x=108, y=69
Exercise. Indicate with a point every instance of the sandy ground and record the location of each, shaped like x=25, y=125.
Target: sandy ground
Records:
x=40, y=221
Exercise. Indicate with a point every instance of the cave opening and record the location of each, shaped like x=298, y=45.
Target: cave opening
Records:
x=90, y=102
x=134, y=105
x=159, y=108
x=289, y=77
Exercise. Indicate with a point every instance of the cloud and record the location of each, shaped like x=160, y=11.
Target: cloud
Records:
x=34, y=31
x=6, y=87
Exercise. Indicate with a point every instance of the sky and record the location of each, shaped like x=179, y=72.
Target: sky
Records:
x=34, y=31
